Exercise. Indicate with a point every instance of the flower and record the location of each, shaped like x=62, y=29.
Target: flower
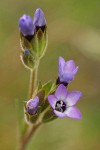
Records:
x=66, y=70
x=39, y=19
x=32, y=105
x=63, y=102
x=26, y=25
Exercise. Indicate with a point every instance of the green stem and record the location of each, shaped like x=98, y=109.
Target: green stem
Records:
x=32, y=85
x=33, y=81
x=26, y=138
x=28, y=135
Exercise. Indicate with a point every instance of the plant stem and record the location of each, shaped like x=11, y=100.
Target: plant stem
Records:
x=26, y=138
x=28, y=134
x=33, y=80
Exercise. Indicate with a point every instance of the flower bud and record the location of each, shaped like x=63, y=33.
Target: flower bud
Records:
x=33, y=37
x=39, y=19
x=66, y=71
x=27, y=29
x=41, y=37
x=26, y=25
x=32, y=105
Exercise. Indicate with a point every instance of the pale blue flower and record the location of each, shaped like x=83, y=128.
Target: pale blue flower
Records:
x=63, y=103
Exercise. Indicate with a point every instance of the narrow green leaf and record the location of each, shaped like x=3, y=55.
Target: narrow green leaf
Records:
x=47, y=87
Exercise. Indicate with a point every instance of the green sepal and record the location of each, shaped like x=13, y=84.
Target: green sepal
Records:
x=42, y=41
x=39, y=42
x=31, y=118
x=28, y=60
x=49, y=116
x=43, y=104
x=41, y=96
x=24, y=42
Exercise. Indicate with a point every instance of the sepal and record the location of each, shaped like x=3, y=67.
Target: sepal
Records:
x=49, y=116
x=42, y=40
x=25, y=41
x=27, y=59
x=31, y=118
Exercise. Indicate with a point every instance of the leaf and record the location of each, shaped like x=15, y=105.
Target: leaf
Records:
x=47, y=87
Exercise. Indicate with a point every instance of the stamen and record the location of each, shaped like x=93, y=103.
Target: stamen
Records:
x=60, y=106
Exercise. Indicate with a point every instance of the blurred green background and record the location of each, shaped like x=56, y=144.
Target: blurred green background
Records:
x=74, y=33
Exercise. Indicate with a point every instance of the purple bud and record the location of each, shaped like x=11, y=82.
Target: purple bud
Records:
x=66, y=70
x=26, y=25
x=26, y=52
x=39, y=19
x=32, y=105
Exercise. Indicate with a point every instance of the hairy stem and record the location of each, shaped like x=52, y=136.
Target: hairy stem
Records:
x=33, y=81
x=26, y=138
x=28, y=133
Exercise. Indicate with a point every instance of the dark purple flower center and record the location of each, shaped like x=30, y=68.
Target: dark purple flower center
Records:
x=59, y=82
x=60, y=106
x=42, y=28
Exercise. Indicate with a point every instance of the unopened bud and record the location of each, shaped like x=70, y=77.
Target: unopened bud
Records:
x=26, y=25
x=32, y=105
x=40, y=32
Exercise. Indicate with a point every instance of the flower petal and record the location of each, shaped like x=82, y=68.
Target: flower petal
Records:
x=69, y=66
x=59, y=114
x=39, y=19
x=36, y=99
x=52, y=100
x=73, y=112
x=75, y=71
x=73, y=97
x=32, y=105
x=67, y=77
x=26, y=25
x=61, y=64
x=61, y=92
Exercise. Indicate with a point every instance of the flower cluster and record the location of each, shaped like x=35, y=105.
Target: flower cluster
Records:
x=62, y=101
x=51, y=99
x=27, y=25
x=33, y=38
